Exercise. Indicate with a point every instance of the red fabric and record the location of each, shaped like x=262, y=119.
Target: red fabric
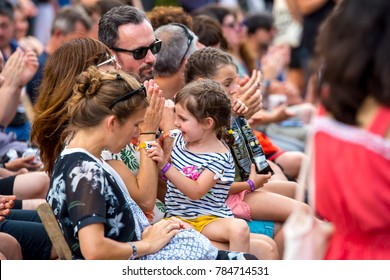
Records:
x=266, y=143
x=352, y=187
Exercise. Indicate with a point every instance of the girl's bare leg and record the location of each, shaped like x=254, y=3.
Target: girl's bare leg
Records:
x=229, y=230
x=286, y=188
x=261, y=246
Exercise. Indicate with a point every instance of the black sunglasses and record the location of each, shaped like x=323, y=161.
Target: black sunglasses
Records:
x=141, y=90
x=141, y=52
x=190, y=38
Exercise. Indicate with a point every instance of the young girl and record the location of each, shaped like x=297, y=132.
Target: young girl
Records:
x=245, y=199
x=202, y=168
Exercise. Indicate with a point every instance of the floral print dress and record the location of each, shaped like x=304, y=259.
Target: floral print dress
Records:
x=81, y=193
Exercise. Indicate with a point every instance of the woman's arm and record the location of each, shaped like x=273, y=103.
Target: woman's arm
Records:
x=143, y=187
x=278, y=114
x=95, y=246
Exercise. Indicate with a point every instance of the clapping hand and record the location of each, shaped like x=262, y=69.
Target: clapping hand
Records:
x=155, y=109
x=249, y=93
x=6, y=203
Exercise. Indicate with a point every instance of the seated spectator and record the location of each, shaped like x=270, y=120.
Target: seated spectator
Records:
x=162, y=15
x=209, y=31
x=21, y=32
x=26, y=227
x=351, y=135
x=18, y=122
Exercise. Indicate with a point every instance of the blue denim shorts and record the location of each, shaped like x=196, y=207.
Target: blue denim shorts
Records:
x=262, y=227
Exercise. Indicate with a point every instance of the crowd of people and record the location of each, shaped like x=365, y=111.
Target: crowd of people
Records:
x=123, y=118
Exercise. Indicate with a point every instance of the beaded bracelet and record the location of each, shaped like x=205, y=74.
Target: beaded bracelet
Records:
x=148, y=132
x=251, y=185
x=164, y=170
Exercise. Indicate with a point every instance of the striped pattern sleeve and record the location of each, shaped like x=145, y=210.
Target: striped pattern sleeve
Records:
x=192, y=165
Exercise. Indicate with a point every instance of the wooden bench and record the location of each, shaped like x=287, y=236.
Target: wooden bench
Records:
x=52, y=228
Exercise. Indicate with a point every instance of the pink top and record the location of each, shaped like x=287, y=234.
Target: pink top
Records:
x=352, y=186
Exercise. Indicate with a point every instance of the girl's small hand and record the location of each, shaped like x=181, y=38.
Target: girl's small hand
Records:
x=238, y=107
x=259, y=179
x=180, y=222
x=168, y=117
x=156, y=153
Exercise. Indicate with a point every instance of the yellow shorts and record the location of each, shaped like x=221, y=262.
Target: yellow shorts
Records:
x=200, y=222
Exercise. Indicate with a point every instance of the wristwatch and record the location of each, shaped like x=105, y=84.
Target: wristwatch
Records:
x=134, y=254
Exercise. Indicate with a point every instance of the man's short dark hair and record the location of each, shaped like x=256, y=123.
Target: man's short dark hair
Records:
x=7, y=9
x=110, y=21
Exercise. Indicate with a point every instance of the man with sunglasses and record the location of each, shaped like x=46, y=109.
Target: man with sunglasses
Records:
x=129, y=34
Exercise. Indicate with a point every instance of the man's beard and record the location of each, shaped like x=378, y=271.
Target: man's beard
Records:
x=146, y=73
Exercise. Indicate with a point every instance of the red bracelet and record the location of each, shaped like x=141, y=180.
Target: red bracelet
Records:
x=164, y=170
x=251, y=185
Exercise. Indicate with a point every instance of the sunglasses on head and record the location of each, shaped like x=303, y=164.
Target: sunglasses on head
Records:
x=190, y=38
x=141, y=52
x=141, y=90
x=111, y=61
